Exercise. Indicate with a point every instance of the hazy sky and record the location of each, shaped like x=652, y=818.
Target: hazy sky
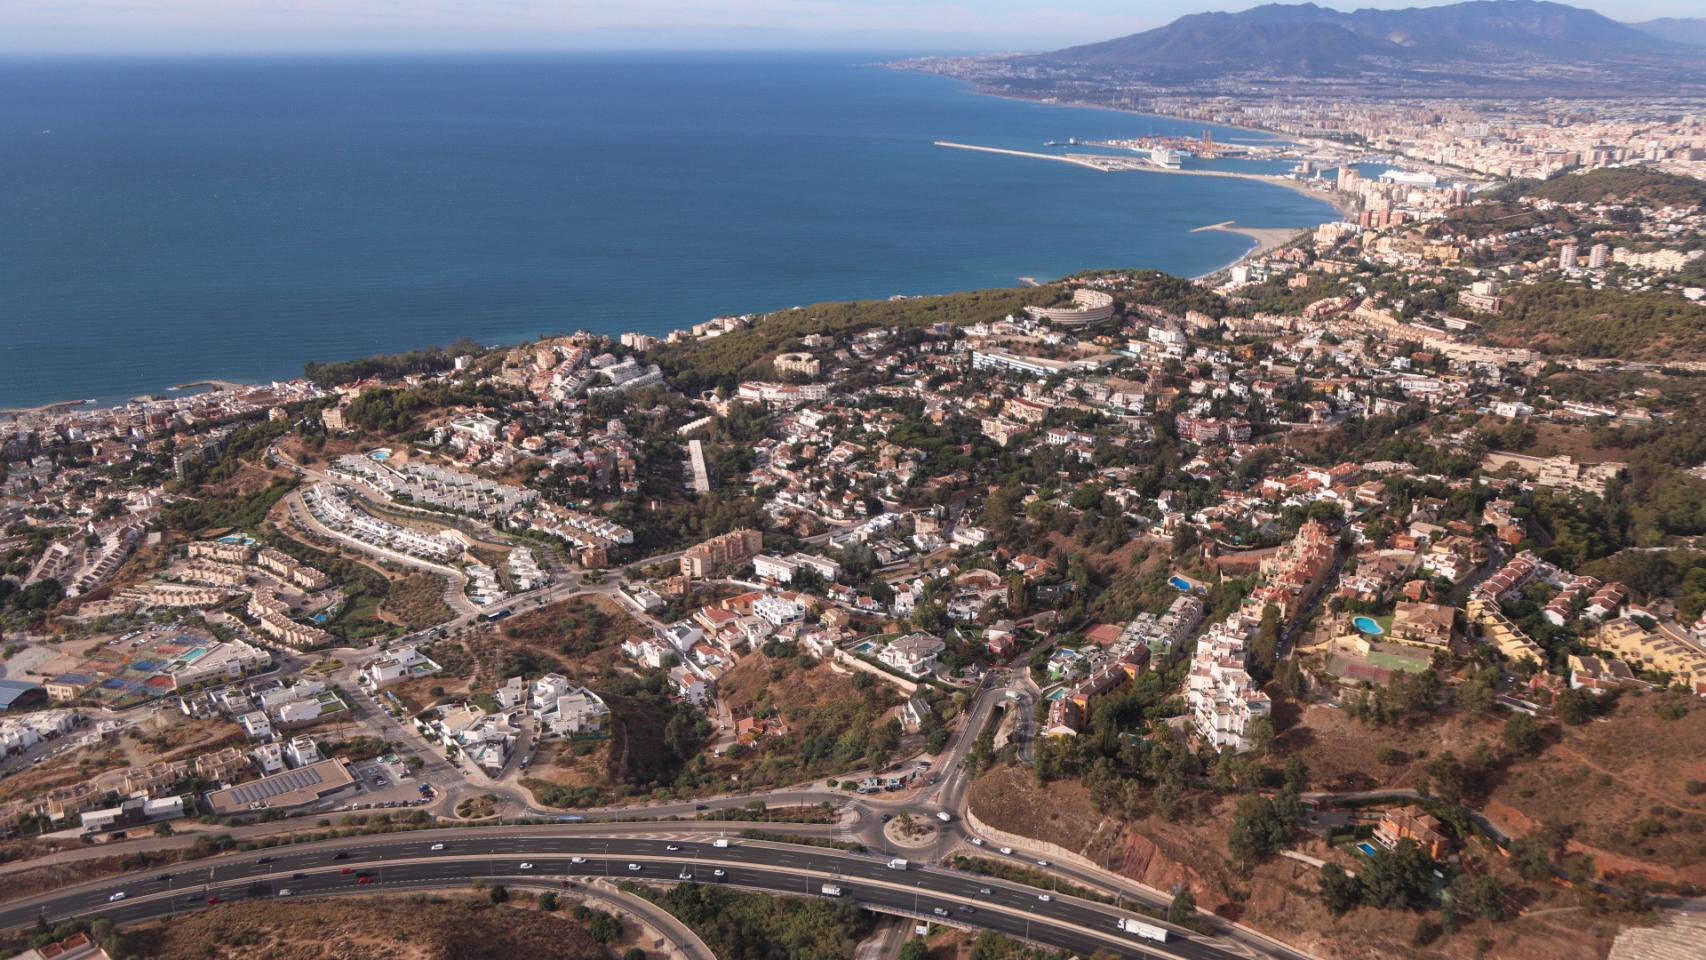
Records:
x=220, y=26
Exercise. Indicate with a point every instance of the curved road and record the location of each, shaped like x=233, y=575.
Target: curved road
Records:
x=393, y=862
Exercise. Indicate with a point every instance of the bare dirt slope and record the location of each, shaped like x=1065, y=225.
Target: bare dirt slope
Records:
x=434, y=929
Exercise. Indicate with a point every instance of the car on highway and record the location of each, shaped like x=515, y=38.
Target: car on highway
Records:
x=362, y=879
x=1044, y=897
x=701, y=806
x=1042, y=863
x=967, y=908
x=986, y=891
x=977, y=841
x=162, y=878
x=685, y=875
x=437, y=847
x=216, y=898
x=284, y=892
x=634, y=868
x=671, y=847
x=719, y=873
x=577, y=859
x=116, y=897
x=940, y=912
x=341, y=855
x=1007, y=851
x=347, y=870
x=887, y=817
x=526, y=866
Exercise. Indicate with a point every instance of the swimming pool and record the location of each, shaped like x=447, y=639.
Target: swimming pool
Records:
x=868, y=647
x=1367, y=625
x=1179, y=583
x=383, y=453
x=1368, y=849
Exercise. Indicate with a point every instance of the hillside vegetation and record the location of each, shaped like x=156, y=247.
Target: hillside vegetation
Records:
x=1568, y=318
x=751, y=926
x=1620, y=184
x=698, y=364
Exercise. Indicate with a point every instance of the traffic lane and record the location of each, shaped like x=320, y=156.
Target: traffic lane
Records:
x=1039, y=923
x=825, y=860
x=838, y=864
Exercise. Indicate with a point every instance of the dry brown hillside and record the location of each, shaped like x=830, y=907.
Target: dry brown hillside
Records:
x=437, y=929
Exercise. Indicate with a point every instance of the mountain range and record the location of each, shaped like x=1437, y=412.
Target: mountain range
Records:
x=1481, y=36
x=1690, y=30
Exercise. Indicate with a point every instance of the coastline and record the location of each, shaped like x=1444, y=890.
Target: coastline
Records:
x=107, y=395
x=1264, y=240
x=1339, y=202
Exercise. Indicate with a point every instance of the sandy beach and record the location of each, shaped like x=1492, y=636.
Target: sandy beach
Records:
x=1266, y=239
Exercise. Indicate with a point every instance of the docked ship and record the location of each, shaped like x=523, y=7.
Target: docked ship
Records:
x=1165, y=158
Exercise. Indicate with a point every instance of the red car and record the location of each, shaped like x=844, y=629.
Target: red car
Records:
x=363, y=879
x=347, y=870
x=213, y=899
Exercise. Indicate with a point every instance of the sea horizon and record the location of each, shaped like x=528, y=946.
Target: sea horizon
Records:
x=811, y=182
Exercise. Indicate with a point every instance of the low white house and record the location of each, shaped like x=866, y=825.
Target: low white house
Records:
x=564, y=709
x=779, y=610
x=269, y=757
x=301, y=751
x=403, y=663
x=689, y=685
x=914, y=654
x=648, y=652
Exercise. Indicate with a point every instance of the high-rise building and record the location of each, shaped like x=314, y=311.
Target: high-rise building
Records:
x=1598, y=255
x=1567, y=257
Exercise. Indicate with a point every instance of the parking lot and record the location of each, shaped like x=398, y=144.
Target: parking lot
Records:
x=384, y=783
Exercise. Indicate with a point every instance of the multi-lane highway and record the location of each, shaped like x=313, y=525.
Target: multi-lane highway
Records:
x=455, y=858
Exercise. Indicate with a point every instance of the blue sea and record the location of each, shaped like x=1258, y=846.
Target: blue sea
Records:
x=163, y=221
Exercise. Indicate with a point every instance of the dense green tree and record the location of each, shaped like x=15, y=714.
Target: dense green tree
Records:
x=1399, y=878
x=1340, y=891
x=1182, y=908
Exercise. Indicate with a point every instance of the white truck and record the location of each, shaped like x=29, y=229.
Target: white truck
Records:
x=897, y=864
x=831, y=890
x=1147, y=931
x=944, y=816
